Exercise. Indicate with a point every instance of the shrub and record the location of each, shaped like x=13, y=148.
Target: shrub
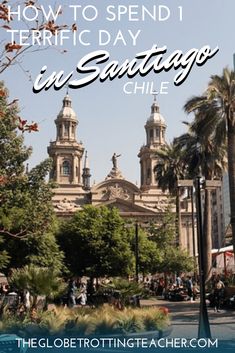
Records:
x=105, y=320
x=38, y=280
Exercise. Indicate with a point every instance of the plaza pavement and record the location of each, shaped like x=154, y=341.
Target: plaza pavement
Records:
x=185, y=317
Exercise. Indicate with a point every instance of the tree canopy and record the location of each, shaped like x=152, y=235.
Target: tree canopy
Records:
x=98, y=243
x=215, y=120
x=173, y=258
x=27, y=217
x=95, y=243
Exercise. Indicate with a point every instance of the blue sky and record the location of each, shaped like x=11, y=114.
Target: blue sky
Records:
x=109, y=120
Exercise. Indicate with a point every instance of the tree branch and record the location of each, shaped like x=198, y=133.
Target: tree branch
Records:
x=20, y=235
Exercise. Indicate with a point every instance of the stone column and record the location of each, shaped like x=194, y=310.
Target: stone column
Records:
x=151, y=173
x=70, y=131
x=74, y=169
x=57, y=168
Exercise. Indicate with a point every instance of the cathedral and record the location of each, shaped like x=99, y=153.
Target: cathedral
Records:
x=146, y=203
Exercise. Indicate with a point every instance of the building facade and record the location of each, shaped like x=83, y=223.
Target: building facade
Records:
x=144, y=203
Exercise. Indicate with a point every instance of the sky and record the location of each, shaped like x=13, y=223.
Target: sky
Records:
x=109, y=119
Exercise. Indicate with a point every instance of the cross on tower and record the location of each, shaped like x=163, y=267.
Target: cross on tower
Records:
x=67, y=89
x=155, y=93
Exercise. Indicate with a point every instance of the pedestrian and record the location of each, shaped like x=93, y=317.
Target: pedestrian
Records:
x=26, y=299
x=72, y=293
x=83, y=294
x=218, y=294
x=195, y=291
x=189, y=286
x=178, y=281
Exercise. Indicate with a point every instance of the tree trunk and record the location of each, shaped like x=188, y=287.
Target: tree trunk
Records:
x=207, y=239
x=231, y=176
x=178, y=219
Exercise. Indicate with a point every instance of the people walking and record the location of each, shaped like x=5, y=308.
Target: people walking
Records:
x=195, y=291
x=83, y=294
x=178, y=281
x=218, y=294
x=72, y=293
x=189, y=286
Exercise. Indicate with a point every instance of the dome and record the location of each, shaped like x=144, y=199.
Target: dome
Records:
x=155, y=116
x=67, y=110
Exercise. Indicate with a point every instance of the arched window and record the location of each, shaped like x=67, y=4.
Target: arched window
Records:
x=65, y=168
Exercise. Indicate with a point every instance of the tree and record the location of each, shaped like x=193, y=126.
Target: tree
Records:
x=12, y=52
x=169, y=169
x=173, y=258
x=204, y=157
x=95, y=243
x=148, y=254
x=40, y=250
x=26, y=210
x=4, y=257
x=25, y=198
x=215, y=112
x=38, y=281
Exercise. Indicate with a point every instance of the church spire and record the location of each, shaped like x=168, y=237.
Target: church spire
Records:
x=66, y=151
x=155, y=128
x=66, y=121
x=86, y=175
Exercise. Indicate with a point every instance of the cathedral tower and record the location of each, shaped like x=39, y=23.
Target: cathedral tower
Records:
x=155, y=128
x=66, y=151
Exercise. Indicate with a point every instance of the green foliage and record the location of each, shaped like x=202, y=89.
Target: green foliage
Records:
x=125, y=288
x=130, y=321
x=164, y=233
x=176, y=260
x=38, y=280
x=44, y=251
x=155, y=319
x=13, y=152
x=102, y=323
x=27, y=218
x=95, y=243
x=40, y=249
x=25, y=203
x=84, y=322
x=173, y=259
x=202, y=153
x=209, y=145
x=148, y=254
x=170, y=167
x=4, y=257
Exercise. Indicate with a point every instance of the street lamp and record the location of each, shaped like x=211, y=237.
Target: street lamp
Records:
x=136, y=251
x=204, y=326
x=193, y=227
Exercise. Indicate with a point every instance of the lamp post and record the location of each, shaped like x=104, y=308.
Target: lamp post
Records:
x=136, y=251
x=204, y=326
x=193, y=227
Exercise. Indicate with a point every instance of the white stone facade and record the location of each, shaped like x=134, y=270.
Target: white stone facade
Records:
x=145, y=204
